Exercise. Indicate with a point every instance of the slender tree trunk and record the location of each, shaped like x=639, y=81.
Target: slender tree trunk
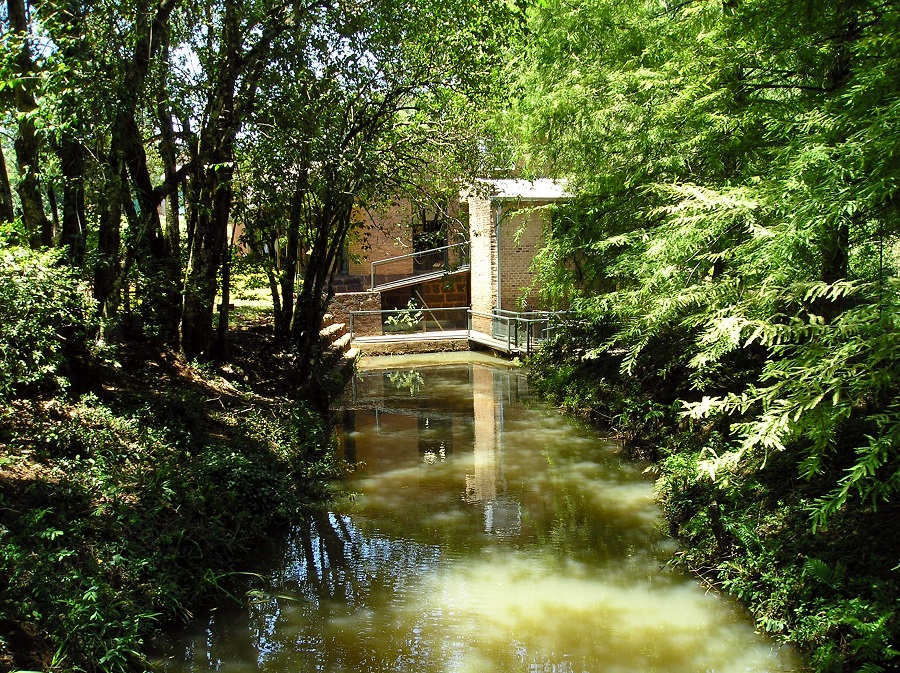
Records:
x=265, y=250
x=171, y=243
x=27, y=145
x=276, y=298
x=288, y=287
x=215, y=171
x=203, y=265
x=167, y=257
x=7, y=213
x=107, y=268
x=216, y=154
x=222, y=350
x=208, y=242
x=172, y=231
x=332, y=226
x=145, y=245
x=54, y=211
x=191, y=186
x=71, y=159
x=160, y=295
x=289, y=261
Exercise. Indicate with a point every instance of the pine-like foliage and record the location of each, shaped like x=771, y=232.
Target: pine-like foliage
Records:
x=737, y=190
x=734, y=243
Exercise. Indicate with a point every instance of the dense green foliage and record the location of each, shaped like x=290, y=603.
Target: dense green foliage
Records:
x=46, y=318
x=118, y=514
x=127, y=491
x=140, y=139
x=729, y=256
x=733, y=249
x=137, y=140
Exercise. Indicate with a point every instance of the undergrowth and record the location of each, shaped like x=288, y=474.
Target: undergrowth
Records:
x=121, y=509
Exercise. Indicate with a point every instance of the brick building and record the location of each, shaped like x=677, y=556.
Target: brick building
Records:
x=503, y=221
x=506, y=225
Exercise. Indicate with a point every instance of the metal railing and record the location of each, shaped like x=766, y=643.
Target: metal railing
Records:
x=459, y=264
x=412, y=320
x=514, y=332
x=521, y=331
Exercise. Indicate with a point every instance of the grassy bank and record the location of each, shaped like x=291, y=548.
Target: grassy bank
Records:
x=123, y=506
x=833, y=590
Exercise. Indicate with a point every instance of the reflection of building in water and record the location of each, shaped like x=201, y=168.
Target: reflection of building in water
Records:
x=387, y=424
x=435, y=437
x=482, y=486
x=502, y=514
x=390, y=422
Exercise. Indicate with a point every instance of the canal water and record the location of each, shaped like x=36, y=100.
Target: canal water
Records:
x=482, y=533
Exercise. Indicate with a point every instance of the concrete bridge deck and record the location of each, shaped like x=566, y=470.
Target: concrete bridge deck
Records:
x=437, y=341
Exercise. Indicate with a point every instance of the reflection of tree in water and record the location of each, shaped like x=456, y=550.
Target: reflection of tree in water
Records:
x=407, y=380
x=331, y=572
x=579, y=527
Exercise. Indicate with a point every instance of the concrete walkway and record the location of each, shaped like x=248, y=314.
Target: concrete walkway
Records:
x=431, y=342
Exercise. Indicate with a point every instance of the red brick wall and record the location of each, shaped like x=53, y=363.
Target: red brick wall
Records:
x=397, y=298
x=446, y=292
x=521, y=237
x=483, y=260
x=382, y=235
x=385, y=234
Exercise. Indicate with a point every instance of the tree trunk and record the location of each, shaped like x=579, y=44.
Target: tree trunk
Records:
x=171, y=234
x=27, y=145
x=71, y=159
x=216, y=154
x=215, y=172
x=221, y=350
x=276, y=298
x=191, y=186
x=160, y=286
x=160, y=295
x=263, y=249
x=7, y=213
x=289, y=261
x=331, y=226
x=208, y=246
x=107, y=268
x=208, y=241
x=54, y=211
x=172, y=230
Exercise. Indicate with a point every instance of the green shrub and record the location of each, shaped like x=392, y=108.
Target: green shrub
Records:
x=137, y=508
x=45, y=320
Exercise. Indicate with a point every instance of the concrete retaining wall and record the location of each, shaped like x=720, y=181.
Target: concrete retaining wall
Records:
x=363, y=325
